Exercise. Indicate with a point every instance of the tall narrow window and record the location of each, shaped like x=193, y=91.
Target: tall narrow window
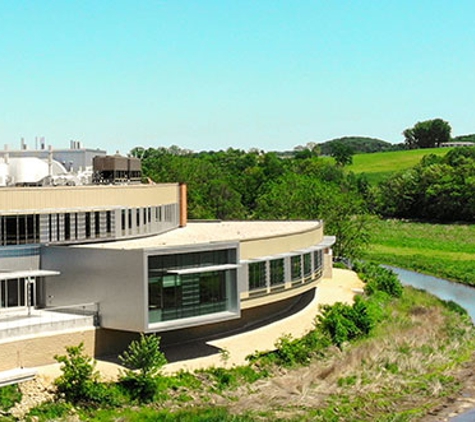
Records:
x=296, y=267
x=97, y=223
x=257, y=275
x=57, y=228
x=108, y=223
x=307, y=265
x=277, y=271
x=67, y=226
x=88, y=225
x=50, y=227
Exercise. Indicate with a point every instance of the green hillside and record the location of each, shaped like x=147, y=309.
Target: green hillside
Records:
x=359, y=144
x=379, y=165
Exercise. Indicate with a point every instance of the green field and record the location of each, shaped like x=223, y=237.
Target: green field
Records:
x=379, y=165
x=442, y=250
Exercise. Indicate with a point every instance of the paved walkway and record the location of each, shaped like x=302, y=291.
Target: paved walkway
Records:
x=341, y=288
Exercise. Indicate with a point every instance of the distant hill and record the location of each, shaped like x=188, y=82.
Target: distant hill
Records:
x=379, y=166
x=359, y=145
x=464, y=138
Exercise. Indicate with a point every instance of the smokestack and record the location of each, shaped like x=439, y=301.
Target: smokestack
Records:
x=50, y=160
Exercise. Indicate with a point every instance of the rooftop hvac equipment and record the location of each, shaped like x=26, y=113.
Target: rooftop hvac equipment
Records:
x=116, y=169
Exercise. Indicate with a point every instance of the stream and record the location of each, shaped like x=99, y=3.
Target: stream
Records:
x=443, y=289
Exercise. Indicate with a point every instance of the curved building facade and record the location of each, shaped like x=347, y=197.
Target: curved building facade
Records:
x=129, y=250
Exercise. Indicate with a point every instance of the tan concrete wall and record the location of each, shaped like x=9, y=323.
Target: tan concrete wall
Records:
x=41, y=349
x=258, y=247
x=76, y=197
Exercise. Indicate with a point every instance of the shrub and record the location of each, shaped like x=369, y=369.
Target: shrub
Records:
x=344, y=322
x=79, y=382
x=378, y=278
x=144, y=360
x=291, y=351
x=9, y=396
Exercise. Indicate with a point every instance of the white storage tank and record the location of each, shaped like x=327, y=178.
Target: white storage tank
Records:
x=32, y=170
x=4, y=176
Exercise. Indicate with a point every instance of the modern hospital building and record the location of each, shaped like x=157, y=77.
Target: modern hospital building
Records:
x=100, y=262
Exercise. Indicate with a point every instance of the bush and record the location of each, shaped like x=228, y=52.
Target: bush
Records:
x=379, y=279
x=9, y=396
x=344, y=322
x=79, y=382
x=144, y=360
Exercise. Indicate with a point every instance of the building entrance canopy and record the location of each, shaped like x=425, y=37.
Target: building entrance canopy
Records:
x=27, y=274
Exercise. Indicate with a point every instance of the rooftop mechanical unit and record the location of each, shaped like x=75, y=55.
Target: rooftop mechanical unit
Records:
x=116, y=169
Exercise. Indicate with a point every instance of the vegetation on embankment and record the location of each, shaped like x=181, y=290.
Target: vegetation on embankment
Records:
x=394, y=355
x=441, y=250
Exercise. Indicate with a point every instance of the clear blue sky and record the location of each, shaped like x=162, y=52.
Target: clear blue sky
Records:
x=206, y=74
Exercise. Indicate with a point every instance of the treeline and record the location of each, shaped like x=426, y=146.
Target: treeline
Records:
x=439, y=188
x=235, y=184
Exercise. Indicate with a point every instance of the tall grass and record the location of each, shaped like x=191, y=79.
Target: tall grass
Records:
x=442, y=250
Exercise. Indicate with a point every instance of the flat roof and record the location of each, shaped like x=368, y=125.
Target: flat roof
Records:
x=210, y=232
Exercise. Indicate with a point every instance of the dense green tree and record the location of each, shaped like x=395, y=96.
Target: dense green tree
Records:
x=428, y=134
x=144, y=361
x=235, y=184
x=342, y=153
x=436, y=189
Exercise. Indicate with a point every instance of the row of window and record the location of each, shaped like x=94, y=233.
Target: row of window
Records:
x=300, y=267
x=142, y=218
x=22, y=229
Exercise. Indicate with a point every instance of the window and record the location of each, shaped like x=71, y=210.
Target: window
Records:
x=318, y=259
x=175, y=296
x=97, y=223
x=296, y=267
x=307, y=265
x=88, y=225
x=58, y=235
x=67, y=226
x=122, y=220
x=11, y=229
x=108, y=222
x=257, y=275
x=277, y=275
x=50, y=227
x=76, y=225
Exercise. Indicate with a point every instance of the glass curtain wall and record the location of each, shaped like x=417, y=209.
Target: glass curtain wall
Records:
x=174, y=295
x=12, y=293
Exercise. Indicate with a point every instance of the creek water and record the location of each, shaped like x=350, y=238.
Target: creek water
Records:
x=443, y=289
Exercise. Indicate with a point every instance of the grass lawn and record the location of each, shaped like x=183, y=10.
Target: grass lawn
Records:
x=380, y=165
x=442, y=250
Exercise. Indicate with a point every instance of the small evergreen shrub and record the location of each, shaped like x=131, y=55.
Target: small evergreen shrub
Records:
x=79, y=382
x=144, y=360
